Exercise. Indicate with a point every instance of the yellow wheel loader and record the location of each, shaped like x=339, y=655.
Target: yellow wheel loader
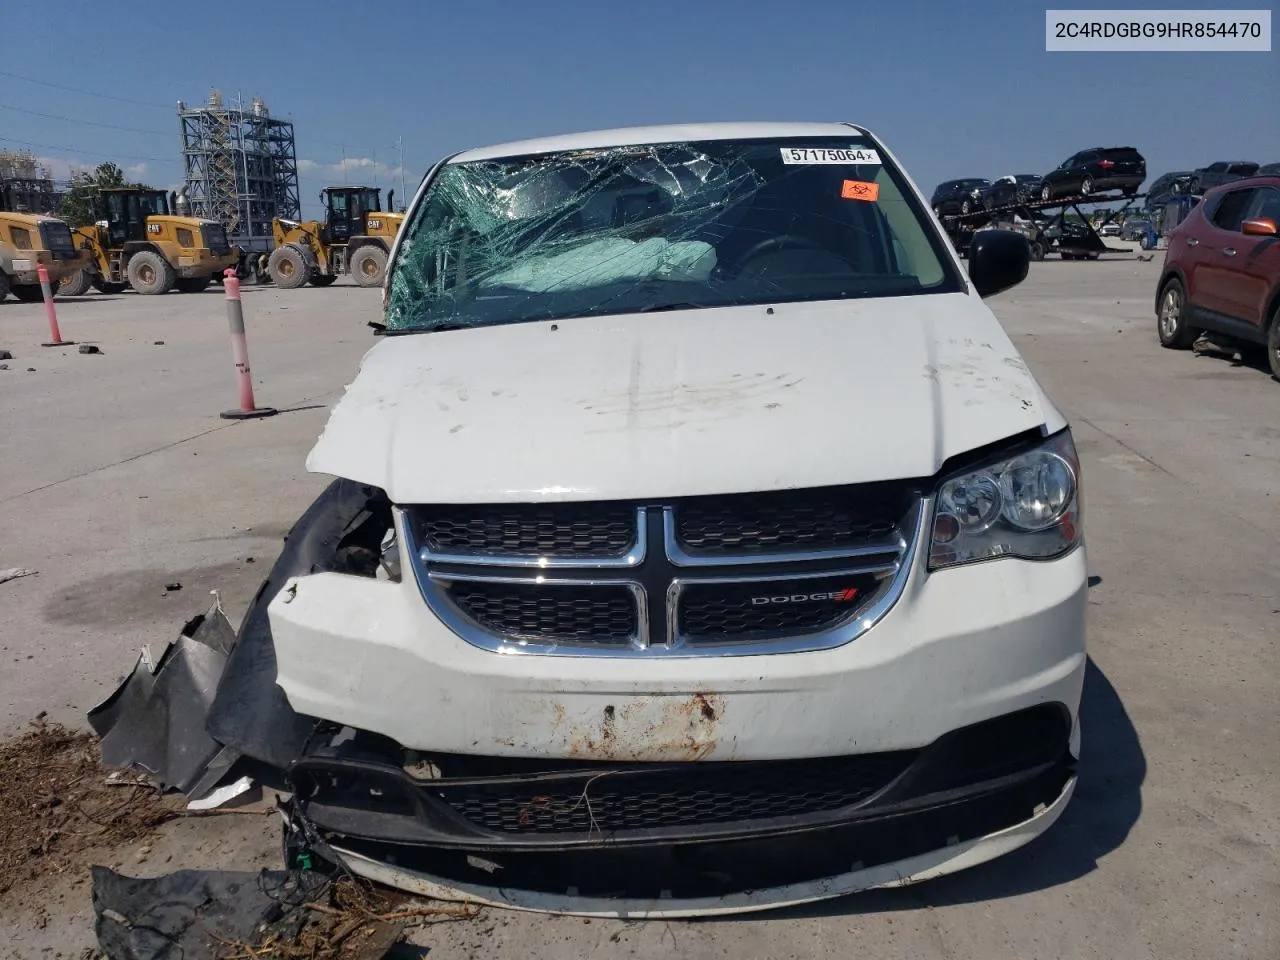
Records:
x=28, y=240
x=139, y=244
x=355, y=237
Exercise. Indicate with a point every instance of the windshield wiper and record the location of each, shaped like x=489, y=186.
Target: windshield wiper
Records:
x=658, y=307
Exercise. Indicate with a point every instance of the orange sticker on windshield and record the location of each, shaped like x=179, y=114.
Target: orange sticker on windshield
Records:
x=860, y=190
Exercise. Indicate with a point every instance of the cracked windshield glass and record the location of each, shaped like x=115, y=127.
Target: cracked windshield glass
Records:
x=667, y=226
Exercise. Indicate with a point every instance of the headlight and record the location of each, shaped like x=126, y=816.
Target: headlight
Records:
x=1026, y=506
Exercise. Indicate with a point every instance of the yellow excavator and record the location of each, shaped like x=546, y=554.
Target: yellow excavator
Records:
x=138, y=243
x=28, y=240
x=355, y=237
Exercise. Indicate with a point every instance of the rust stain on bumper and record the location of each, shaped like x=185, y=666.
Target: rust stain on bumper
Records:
x=673, y=729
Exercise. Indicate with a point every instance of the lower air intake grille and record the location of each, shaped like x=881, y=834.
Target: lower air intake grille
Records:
x=710, y=793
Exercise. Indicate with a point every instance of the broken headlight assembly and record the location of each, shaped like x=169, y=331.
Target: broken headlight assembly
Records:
x=1027, y=506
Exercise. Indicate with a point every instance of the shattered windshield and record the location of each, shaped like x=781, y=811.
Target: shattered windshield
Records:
x=666, y=226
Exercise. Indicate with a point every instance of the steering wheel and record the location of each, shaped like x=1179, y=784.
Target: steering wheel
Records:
x=784, y=241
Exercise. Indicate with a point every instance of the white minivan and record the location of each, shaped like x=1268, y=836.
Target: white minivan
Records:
x=699, y=542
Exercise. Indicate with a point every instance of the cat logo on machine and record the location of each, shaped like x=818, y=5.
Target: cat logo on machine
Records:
x=154, y=228
x=375, y=224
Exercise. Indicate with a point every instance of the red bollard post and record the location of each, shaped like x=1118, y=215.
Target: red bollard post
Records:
x=55, y=335
x=240, y=353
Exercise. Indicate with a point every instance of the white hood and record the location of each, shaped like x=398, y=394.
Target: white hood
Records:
x=673, y=404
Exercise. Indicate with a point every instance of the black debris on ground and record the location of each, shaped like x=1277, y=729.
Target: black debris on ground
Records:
x=281, y=915
x=89, y=348
x=154, y=721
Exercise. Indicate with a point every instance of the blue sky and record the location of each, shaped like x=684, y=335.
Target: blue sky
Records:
x=955, y=88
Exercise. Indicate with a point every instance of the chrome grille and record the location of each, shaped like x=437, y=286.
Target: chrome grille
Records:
x=752, y=573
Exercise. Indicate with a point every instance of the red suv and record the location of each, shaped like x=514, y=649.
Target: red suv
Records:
x=1222, y=271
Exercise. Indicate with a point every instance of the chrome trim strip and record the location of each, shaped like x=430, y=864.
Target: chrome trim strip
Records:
x=807, y=575
x=633, y=558
x=682, y=558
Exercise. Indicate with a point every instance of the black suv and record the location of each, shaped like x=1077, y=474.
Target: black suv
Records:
x=1096, y=171
x=1224, y=171
x=1179, y=181
x=959, y=196
x=1018, y=188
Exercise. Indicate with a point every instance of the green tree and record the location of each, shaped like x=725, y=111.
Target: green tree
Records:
x=79, y=202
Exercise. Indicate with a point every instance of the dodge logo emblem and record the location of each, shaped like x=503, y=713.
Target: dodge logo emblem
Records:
x=839, y=596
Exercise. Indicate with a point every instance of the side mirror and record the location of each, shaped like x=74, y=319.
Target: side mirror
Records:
x=998, y=260
x=1259, y=227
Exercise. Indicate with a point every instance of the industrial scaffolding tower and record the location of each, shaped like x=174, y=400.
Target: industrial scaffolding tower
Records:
x=241, y=168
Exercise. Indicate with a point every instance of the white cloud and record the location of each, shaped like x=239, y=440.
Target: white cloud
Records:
x=59, y=168
x=348, y=166
x=135, y=172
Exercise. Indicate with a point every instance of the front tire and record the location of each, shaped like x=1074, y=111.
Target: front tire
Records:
x=369, y=266
x=104, y=286
x=28, y=292
x=1037, y=250
x=1171, y=319
x=1046, y=192
x=965, y=208
x=193, y=284
x=76, y=285
x=151, y=274
x=288, y=267
x=1086, y=186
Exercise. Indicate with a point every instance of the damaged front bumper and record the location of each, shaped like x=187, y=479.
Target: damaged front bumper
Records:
x=825, y=850
x=671, y=839
x=609, y=787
